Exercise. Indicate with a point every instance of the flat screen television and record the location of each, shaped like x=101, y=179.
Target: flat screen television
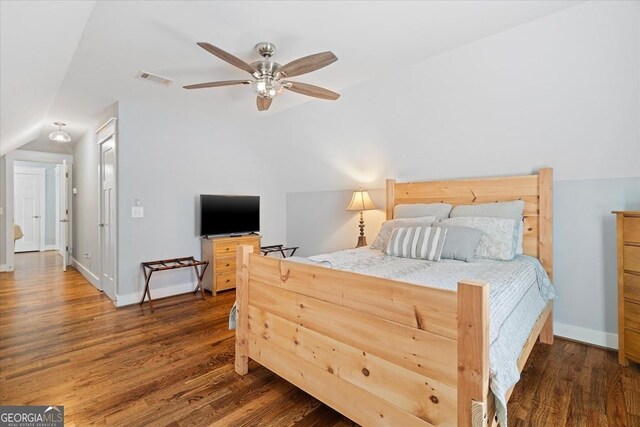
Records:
x=229, y=214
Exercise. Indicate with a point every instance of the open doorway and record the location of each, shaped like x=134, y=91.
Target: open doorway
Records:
x=37, y=210
x=36, y=206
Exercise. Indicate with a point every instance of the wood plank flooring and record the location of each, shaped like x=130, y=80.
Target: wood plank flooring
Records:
x=62, y=342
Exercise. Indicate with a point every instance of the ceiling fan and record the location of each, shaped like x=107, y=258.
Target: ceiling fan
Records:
x=269, y=76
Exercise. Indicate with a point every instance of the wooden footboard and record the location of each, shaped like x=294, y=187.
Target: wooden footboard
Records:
x=379, y=351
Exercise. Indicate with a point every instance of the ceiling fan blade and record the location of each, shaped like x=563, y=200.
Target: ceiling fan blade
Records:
x=311, y=90
x=263, y=103
x=226, y=56
x=308, y=64
x=217, y=84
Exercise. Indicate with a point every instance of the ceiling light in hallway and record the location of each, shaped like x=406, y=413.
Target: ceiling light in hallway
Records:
x=59, y=135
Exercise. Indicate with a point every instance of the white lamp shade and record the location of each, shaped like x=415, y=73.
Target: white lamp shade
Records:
x=360, y=201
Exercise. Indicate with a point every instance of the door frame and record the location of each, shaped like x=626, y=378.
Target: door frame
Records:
x=58, y=207
x=106, y=132
x=28, y=156
x=29, y=170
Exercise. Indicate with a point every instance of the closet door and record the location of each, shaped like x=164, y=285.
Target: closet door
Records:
x=28, y=183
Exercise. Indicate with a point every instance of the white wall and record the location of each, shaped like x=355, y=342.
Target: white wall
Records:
x=562, y=91
x=166, y=160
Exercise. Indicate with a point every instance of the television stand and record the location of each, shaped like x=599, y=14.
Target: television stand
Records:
x=221, y=253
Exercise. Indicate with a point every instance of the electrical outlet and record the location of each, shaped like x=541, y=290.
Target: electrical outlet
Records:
x=137, y=212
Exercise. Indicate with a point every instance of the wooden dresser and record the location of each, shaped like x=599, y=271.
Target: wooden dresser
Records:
x=628, y=286
x=221, y=254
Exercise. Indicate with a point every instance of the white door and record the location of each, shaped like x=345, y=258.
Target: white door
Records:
x=65, y=216
x=28, y=207
x=107, y=217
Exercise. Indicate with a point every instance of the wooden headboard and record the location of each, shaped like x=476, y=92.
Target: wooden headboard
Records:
x=535, y=190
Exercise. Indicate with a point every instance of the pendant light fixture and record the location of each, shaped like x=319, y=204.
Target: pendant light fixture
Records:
x=59, y=135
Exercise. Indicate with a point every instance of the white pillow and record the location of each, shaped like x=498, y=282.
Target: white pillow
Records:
x=513, y=209
x=387, y=228
x=416, y=210
x=499, y=238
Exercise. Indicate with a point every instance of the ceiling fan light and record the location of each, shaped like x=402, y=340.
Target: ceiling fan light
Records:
x=268, y=87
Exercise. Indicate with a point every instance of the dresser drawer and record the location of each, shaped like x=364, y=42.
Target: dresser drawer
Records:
x=632, y=287
x=226, y=248
x=225, y=281
x=632, y=315
x=225, y=265
x=631, y=258
x=632, y=229
x=632, y=343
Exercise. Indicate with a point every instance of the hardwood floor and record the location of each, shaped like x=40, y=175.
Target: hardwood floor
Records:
x=62, y=342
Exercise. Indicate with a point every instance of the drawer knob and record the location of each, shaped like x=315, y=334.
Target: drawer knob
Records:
x=228, y=280
x=227, y=265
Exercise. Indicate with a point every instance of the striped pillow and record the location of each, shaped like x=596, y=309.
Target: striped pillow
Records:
x=417, y=242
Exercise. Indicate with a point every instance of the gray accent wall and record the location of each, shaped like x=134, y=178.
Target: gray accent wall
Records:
x=585, y=251
x=318, y=221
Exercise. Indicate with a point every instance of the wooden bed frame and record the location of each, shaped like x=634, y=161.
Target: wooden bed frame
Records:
x=380, y=351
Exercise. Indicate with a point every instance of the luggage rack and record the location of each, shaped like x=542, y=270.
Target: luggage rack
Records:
x=150, y=267
x=266, y=250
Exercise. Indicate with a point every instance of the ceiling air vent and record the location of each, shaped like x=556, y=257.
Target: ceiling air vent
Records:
x=149, y=77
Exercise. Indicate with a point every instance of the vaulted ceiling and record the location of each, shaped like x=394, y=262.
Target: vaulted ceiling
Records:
x=69, y=60
x=37, y=43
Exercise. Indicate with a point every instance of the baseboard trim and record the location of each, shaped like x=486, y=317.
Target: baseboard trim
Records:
x=588, y=336
x=51, y=247
x=91, y=278
x=156, y=293
x=4, y=267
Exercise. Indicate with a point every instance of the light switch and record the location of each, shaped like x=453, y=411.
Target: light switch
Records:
x=137, y=212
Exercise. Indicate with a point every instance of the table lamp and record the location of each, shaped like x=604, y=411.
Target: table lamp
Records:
x=361, y=202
